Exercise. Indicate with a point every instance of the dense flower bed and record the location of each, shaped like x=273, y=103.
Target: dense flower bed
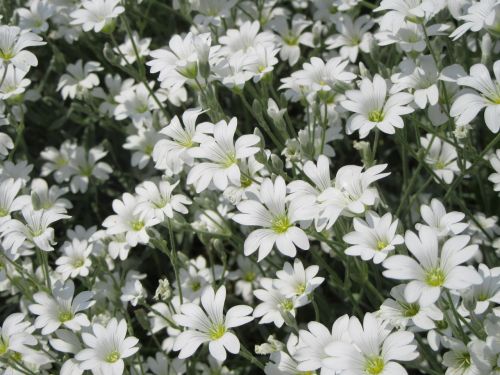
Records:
x=245, y=187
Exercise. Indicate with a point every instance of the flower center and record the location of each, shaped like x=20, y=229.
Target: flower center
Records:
x=195, y=285
x=148, y=150
x=188, y=143
x=65, y=316
x=4, y=346
x=291, y=40
x=381, y=245
x=463, y=360
x=287, y=304
x=280, y=224
x=86, y=170
x=249, y=276
x=440, y=165
x=410, y=309
x=376, y=116
x=217, y=331
x=483, y=297
x=36, y=232
x=245, y=181
x=229, y=160
x=6, y=55
x=142, y=108
x=137, y=225
x=435, y=277
x=78, y=263
x=112, y=357
x=160, y=204
x=374, y=365
x=3, y=212
x=300, y=289
x=190, y=71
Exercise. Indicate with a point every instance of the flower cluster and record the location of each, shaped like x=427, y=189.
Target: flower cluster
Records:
x=286, y=187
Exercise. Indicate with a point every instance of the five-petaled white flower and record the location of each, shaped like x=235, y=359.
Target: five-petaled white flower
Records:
x=210, y=325
x=107, y=347
x=277, y=217
x=60, y=308
x=436, y=267
x=373, y=107
x=222, y=155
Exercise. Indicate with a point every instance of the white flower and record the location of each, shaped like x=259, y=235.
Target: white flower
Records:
x=163, y=365
x=401, y=313
x=261, y=62
x=484, y=354
x=399, y=10
x=97, y=14
x=60, y=308
x=19, y=170
x=436, y=217
x=171, y=152
x=283, y=362
x=373, y=238
x=222, y=154
x=374, y=108
x=441, y=157
x=352, y=36
x=107, y=347
x=292, y=37
x=13, y=41
x=79, y=79
x=247, y=275
x=278, y=219
x=297, y=282
x=311, y=352
x=235, y=70
x=142, y=144
x=351, y=192
x=130, y=52
x=195, y=276
x=67, y=342
x=422, y=78
x=158, y=199
x=212, y=11
x=210, y=325
x=14, y=82
x=43, y=197
x=114, y=86
x=16, y=337
x=136, y=103
x=180, y=64
x=319, y=78
x=408, y=36
x=9, y=201
x=76, y=259
x=374, y=349
x=133, y=291
x=128, y=221
x=246, y=38
x=438, y=266
x=495, y=164
x=36, y=230
x=86, y=164
x=35, y=18
x=481, y=296
x=466, y=107
x=480, y=15
x=58, y=161
x=274, y=304
x=458, y=359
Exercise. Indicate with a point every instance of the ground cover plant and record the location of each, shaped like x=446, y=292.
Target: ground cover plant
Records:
x=249, y=187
